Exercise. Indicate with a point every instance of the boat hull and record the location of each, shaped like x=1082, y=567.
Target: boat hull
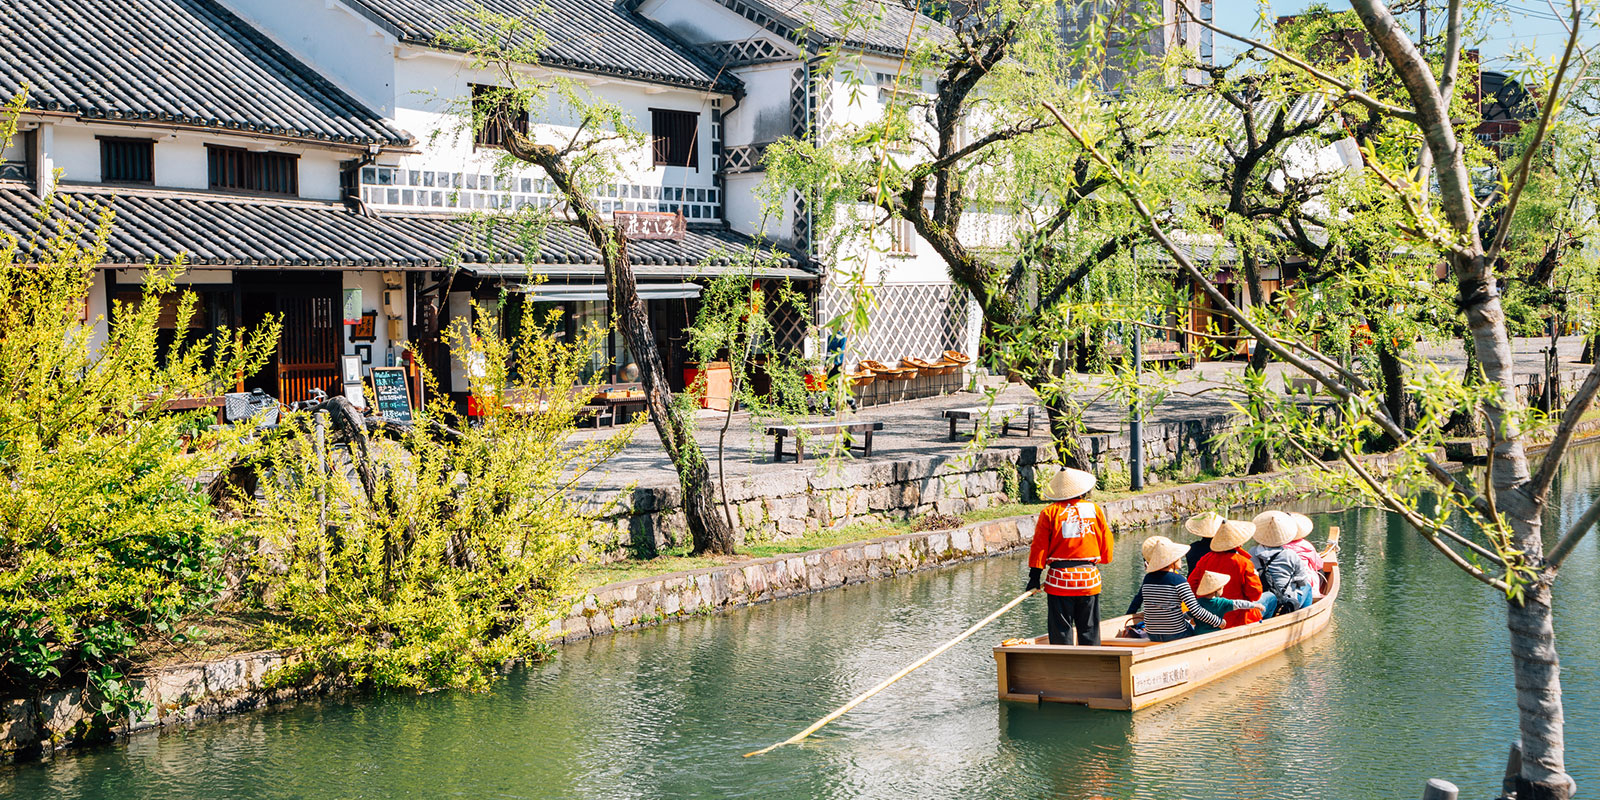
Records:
x=1130, y=674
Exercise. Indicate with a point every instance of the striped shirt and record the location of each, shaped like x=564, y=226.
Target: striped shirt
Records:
x=1169, y=603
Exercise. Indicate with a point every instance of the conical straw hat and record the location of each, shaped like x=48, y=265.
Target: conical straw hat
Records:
x=1231, y=534
x=1276, y=529
x=1067, y=484
x=1211, y=582
x=1161, y=552
x=1304, y=524
x=1204, y=525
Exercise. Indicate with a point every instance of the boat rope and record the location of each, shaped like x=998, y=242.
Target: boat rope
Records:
x=860, y=698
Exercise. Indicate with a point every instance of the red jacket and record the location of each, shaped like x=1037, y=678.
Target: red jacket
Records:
x=1071, y=530
x=1243, y=584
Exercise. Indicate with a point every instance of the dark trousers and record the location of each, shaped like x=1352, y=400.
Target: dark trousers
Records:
x=1069, y=613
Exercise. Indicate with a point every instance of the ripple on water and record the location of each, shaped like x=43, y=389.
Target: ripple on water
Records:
x=1413, y=671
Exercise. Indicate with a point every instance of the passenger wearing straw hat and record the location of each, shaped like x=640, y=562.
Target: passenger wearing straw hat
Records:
x=1210, y=593
x=1204, y=526
x=1306, y=550
x=1284, y=574
x=1168, y=602
x=1070, y=539
x=1228, y=558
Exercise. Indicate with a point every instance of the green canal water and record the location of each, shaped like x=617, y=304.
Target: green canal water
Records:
x=1412, y=680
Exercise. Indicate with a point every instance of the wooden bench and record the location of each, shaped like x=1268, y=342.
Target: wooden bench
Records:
x=976, y=414
x=864, y=430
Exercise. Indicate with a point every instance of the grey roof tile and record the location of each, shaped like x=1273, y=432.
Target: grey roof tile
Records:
x=228, y=231
x=187, y=62
x=880, y=26
x=590, y=35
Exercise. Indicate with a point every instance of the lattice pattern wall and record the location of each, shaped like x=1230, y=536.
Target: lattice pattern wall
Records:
x=747, y=51
x=908, y=320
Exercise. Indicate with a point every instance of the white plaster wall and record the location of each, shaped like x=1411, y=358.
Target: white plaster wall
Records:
x=76, y=153
x=699, y=21
x=763, y=114
x=384, y=349
x=348, y=49
x=99, y=310
x=428, y=82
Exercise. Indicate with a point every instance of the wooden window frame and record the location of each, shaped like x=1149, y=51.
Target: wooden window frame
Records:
x=902, y=237
x=663, y=151
x=493, y=132
x=252, y=171
x=108, y=142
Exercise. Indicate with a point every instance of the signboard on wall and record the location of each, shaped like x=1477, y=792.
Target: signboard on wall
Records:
x=352, y=306
x=392, y=393
x=643, y=226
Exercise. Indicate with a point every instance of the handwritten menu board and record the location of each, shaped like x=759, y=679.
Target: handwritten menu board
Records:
x=392, y=393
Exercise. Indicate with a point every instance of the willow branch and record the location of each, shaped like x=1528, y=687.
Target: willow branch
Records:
x=1525, y=166
x=1570, y=539
x=1540, y=487
x=1444, y=476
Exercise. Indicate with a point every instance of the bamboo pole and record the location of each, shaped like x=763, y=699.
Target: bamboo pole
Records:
x=861, y=698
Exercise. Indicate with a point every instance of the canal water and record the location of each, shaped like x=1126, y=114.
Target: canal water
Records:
x=1412, y=680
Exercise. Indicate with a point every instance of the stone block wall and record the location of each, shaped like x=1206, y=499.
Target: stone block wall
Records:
x=177, y=695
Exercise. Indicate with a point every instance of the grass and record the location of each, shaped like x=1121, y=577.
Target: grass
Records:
x=591, y=576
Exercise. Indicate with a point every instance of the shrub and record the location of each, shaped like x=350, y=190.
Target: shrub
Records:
x=424, y=556
x=108, y=536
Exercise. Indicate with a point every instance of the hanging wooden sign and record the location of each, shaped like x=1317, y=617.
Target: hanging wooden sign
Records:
x=642, y=226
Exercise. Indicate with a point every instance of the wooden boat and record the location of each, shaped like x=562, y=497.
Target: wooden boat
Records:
x=1130, y=674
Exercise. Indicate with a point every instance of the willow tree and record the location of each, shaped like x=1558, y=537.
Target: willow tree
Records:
x=1491, y=527
x=966, y=165
x=580, y=158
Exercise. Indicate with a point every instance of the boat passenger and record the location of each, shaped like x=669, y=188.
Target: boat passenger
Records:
x=1070, y=539
x=1211, y=599
x=1168, y=602
x=1284, y=574
x=1306, y=550
x=1203, y=526
x=1227, y=557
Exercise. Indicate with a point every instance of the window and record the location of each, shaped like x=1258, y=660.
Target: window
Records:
x=237, y=170
x=16, y=157
x=127, y=160
x=493, y=116
x=674, y=138
x=902, y=237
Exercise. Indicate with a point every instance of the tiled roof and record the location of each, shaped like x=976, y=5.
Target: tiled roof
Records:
x=881, y=26
x=189, y=62
x=565, y=249
x=588, y=35
x=221, y=231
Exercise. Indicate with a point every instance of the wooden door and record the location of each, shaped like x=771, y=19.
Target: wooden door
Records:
x=308, y=347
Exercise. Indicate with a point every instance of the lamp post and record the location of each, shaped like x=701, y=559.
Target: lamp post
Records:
x=1136, y=424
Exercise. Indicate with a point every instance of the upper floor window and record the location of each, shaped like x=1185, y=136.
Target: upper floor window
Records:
x=127, y=160
x=493, y=116
x=16, y=157
x=239, y=170
x=902, y=237
x=674, y=138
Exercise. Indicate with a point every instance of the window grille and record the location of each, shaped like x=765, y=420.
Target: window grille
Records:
x=237, y=170
x=674, y=136
x=494, y=117
x=902, y=237
x=127, y=160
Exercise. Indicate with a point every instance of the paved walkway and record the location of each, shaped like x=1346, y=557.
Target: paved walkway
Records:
x=918, y=428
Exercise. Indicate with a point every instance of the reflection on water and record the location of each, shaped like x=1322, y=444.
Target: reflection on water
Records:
x=1410, y=681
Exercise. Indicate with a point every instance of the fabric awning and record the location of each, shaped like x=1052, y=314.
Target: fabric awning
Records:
x=566, y=293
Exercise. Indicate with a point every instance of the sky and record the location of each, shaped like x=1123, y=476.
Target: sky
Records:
x=1525, y=23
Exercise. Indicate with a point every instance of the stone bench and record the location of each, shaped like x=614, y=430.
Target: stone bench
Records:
x=864, y=430
x=976, y=414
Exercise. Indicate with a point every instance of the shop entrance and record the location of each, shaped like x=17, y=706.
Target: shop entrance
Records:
x=307, y=357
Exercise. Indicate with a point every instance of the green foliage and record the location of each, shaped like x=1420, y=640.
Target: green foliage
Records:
x=108, y=533
x=454, y=550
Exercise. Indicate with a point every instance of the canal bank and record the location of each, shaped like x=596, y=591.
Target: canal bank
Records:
x=184, y=695
x=1410, y=681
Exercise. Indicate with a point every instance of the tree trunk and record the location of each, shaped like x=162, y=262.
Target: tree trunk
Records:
x=708, y=531
x=1395, y=398
x=1262, y=459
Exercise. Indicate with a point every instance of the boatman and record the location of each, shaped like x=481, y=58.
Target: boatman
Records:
x=1070, y=539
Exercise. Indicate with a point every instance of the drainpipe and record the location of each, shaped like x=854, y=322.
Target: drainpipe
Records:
x=350, y=179
x=721, y=178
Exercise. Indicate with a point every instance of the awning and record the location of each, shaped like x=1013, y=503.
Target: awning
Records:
x=566, y=293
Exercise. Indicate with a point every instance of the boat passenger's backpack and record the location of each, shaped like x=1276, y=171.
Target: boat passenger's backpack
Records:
x=1280, y=575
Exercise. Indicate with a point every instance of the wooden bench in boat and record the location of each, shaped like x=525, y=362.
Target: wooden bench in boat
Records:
x=861, y=430
x=1007, y=413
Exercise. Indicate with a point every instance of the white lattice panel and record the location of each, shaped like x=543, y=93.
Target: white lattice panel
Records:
x=908, y=320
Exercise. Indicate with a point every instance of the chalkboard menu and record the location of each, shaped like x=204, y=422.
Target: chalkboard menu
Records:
x=392, y=393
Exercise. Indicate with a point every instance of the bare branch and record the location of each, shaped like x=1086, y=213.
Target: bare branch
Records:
x=1570, y=539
